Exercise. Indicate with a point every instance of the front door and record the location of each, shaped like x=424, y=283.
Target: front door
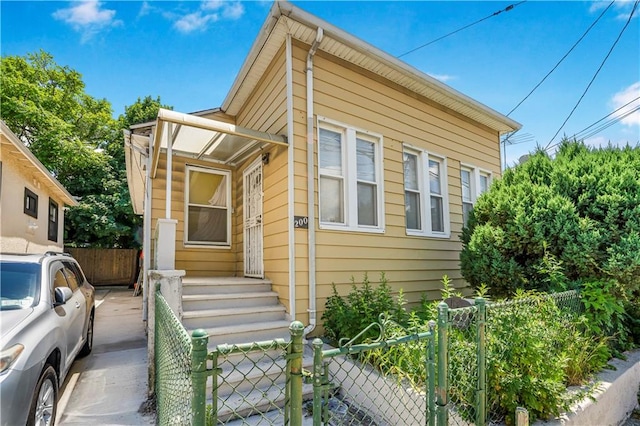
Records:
x=253, y=265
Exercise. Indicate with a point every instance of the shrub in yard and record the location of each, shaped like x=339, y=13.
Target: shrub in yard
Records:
x=346, y=316
x=551, y=224
x=581, y=208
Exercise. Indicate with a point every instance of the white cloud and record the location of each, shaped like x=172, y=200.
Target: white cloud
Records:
x=211, y=4
x=87, y=17
x=627, y=96
x=442, y=77
x=622, y=7
x=145, y=9
x=233, y=10
x=194, y=21
x=208, y=11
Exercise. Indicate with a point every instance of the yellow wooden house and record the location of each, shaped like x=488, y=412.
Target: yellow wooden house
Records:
x=328, y=158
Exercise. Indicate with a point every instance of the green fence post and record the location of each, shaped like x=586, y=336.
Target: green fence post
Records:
x=442, y=390
x=317, y=382
x=481, y=395
x=431, y=371
x=296, y=329
x=199, y=341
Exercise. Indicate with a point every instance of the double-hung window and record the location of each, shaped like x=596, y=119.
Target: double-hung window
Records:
x=350, y=178
x=474, y=182
x=30, y=203
x=208, y=212
x=52, y=231
x=425, y=193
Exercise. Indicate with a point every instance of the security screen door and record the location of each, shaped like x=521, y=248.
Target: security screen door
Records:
x=253, y=264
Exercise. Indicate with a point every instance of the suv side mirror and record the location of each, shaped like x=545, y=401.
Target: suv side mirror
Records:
x=62, y=294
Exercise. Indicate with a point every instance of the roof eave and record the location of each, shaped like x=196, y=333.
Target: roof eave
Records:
x=65, y=196
x=501, y=123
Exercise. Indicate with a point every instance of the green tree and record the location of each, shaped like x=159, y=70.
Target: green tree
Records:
x=76, y=137
x=556, y=223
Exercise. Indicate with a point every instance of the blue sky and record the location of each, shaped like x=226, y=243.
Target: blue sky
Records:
x=189, y=53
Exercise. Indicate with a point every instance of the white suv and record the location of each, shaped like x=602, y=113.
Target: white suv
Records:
x=47, y=313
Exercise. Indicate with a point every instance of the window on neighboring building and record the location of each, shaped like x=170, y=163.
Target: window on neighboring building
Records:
x=30, y=203
x=474, y=182
x=53, y=221
x=208, y=201
x=425, y=193
x=350, y=178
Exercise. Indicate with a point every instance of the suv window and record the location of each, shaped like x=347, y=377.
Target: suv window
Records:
x=59, y=280
x=19, y=285
x=76, y=271
x=71, y=278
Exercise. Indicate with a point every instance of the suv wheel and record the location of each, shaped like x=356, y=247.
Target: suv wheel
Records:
x=88, y=341
x=45, y=399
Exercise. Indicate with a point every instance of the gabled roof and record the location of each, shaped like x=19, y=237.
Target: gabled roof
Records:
x=286, y=18
x=11, y=145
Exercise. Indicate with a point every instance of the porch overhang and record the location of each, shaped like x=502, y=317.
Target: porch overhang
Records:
x=207, y=139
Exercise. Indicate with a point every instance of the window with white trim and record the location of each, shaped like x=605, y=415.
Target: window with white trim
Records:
x=425, y=193
x=52, y=230
x=474, y=182
x=350, y=178
x=207, y=205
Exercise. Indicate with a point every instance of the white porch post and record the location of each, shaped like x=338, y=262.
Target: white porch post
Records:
x=165, y=231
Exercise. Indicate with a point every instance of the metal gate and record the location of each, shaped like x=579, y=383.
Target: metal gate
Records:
x=253, y=262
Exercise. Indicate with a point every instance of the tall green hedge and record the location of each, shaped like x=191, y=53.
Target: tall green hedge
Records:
x=554, y=223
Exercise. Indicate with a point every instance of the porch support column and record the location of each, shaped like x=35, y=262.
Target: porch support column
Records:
x=165, y=232
x=170, y=283
x=165, y=247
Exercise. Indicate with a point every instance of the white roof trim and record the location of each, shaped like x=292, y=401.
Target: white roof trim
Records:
x=285, y=17
x=205, y=138
x=54, y=184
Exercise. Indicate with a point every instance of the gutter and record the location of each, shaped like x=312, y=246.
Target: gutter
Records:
x=310, y=186
x=290, y=182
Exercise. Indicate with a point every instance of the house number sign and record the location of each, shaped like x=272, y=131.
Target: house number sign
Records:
x=301, y=222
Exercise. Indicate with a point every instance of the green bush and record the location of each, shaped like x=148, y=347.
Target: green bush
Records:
x=552, y=224
x=346, y=317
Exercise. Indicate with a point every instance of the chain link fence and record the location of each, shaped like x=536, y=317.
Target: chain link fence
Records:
x=252, y=385
x=173, y=348
x=463, y=365
x=401, y=378
x=386, y=382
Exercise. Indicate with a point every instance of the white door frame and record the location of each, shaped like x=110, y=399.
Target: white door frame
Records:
x=252, y=197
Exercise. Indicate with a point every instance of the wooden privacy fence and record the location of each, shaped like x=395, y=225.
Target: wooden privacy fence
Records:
x=107, y=266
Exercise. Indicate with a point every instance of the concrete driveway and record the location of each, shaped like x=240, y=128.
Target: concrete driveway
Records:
x=109, y=387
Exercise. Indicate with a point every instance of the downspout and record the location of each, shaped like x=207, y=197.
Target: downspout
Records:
x=290, y=181
x=146, y=232
x=311, y=187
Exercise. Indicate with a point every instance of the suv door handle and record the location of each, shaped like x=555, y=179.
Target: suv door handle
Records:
x=77, y=304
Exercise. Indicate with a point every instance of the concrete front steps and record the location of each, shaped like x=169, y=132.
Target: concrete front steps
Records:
x=234, y=310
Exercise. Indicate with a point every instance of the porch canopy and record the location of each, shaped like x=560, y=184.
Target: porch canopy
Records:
x=207, y=139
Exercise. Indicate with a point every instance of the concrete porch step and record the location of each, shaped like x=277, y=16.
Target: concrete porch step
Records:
x=193, y=302
x=223, y=285
x=234, y=315
x=251, y=332
x=260, y=404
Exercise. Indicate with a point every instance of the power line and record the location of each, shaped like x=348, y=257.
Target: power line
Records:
x=506, y=9
x=635, y=5
x=610, y=123
x=611, y=113
x=561, y=59
x=586, y=133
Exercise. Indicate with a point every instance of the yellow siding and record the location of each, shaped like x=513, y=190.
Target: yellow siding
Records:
x=266, y=110
x=351, y=96
x=196, y=261
x=346, y=94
